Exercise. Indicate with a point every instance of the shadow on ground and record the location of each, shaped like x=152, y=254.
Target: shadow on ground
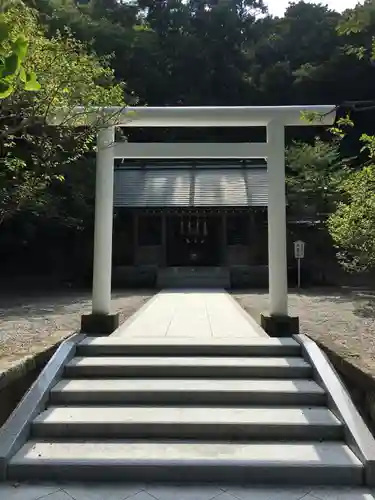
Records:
x=363, y=300
x=16, y=306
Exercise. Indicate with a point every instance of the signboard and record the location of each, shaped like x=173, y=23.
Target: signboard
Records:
x=299, y=249
x=299, y=253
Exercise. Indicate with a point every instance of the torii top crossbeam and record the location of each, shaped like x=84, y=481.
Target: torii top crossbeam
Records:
x=200, y=116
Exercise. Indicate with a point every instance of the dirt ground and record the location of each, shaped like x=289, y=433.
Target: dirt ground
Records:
x=342, y=319
x=30, y=324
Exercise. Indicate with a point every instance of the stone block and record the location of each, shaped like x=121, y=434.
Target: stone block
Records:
x=99, y=324
x=280, y=326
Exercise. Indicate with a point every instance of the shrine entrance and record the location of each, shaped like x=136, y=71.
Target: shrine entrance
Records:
x=194, y=240
x=274, y=118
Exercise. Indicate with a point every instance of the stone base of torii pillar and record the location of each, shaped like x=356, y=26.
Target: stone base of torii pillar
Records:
x=279, y=325
x=99, y=324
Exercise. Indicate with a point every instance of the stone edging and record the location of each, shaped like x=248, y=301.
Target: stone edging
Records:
x=15, y=431
x=358, y=435
x=361, y=384
x=29, y=363
x=248, y=317
x=121, y=330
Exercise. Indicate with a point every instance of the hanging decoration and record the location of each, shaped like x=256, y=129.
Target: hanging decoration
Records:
x=193, y=228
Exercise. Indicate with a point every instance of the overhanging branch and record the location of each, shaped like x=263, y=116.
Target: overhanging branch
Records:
x=359, y=105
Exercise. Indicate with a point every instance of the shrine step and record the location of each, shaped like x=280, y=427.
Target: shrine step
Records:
x=257, y=346
x=188, y=391
x=275, y=423
x=193, y=277
x=188, y=367
x=187, y=462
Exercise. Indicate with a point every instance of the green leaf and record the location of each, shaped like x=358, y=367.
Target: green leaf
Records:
x=19, y=47
x=22, y=75
x=32, y=83
x=4, y=31
x=5, y=89
x=11, y=65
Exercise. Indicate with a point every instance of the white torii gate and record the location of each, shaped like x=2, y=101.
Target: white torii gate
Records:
x=274, y=118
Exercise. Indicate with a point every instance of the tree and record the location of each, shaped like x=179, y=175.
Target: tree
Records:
x=352, y=225
x=175, y=52
x=13, y=51
x=169, y=52
x=287, y=50
x=34, y=155
x=315, y=173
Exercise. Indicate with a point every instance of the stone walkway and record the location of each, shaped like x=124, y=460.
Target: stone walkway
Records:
x=159, y=492
x=189, y=314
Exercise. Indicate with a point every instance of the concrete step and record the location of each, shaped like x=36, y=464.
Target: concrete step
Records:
x=195, y=282
x=175, y=347
x=186, y=462
x=188, y=391
x=189, y=367
x=272, y=423
x=182, y=277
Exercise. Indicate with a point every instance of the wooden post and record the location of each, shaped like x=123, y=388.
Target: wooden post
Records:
x=164, y=240
x=135, y=238
x=224, y=252
x=250, y=243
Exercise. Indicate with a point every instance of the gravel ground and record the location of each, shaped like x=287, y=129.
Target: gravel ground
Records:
x=342, y=319
x=30, y=324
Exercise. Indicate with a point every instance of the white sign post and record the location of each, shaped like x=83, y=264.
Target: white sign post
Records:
x=299, y=253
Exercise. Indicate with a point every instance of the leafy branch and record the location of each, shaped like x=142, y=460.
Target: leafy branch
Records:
x=12, y=57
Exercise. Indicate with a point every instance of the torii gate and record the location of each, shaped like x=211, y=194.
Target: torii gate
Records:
x=275, y=118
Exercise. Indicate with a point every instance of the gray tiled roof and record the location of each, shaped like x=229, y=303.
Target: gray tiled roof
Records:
x=198, y=187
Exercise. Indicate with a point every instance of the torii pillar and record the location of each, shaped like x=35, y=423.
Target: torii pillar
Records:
x=277, y=322
x=101, y=321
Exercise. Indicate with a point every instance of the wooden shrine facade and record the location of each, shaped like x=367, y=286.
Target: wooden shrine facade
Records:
x=189, y=215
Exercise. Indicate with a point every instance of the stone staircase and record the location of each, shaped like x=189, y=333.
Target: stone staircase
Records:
x=193, y=277
x=224, y=411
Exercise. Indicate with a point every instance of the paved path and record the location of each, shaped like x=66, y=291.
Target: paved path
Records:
x=189, y=314
x=117, y=491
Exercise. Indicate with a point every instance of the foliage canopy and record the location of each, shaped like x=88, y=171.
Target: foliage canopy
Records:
x=34, y=155
x=175, y=52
